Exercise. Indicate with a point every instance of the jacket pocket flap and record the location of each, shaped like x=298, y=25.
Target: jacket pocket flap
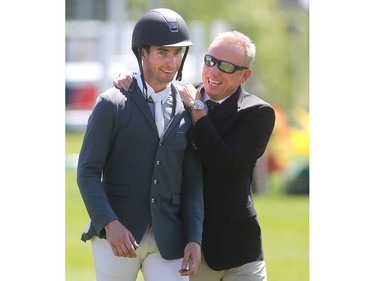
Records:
x=241, y=213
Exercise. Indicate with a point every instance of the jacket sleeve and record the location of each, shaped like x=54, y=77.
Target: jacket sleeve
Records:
x=91, y=163
x=244, y=143
x=192, y=196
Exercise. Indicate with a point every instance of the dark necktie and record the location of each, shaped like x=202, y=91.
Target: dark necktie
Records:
x=211, y=104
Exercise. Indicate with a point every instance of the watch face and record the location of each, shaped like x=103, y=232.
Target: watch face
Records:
x=198, y=104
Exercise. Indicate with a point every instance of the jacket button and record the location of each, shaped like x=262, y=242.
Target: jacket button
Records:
x=155, y=181
x=152, y=200
x=158, y=162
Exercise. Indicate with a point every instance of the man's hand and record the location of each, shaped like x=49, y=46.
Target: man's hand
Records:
x=188, y=94
x=191, y=260
x=121, y=240
x=123, y=80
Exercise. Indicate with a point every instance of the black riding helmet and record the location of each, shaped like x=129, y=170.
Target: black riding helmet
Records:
x=161, y=27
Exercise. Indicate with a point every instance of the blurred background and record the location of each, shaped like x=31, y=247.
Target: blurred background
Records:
x=98, y=47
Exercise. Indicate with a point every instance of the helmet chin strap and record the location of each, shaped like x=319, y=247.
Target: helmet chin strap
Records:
x=179, y=73
x=139, y=58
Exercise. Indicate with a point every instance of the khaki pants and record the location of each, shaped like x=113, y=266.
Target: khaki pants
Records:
x=253, y=271
x=108, y=267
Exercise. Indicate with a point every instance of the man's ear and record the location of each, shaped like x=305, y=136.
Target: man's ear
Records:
x=246, y=74
x=143, y=51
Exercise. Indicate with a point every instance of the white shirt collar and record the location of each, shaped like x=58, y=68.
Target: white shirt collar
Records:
x=206, y=98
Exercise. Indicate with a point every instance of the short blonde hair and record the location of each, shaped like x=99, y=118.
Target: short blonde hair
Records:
x=241, y=39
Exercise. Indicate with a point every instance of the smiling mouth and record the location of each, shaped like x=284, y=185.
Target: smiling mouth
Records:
x=213, y=83
x=166, y=71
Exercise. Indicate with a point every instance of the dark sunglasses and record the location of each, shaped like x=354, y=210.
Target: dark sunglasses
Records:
x=223, y=66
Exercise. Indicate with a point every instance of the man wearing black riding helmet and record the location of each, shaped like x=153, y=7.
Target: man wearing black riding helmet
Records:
x=139, y=179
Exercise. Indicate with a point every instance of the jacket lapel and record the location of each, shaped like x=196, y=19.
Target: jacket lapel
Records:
x=176, y=119
x=144, y=105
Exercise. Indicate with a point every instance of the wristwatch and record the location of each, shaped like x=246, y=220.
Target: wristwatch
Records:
x=198, y=105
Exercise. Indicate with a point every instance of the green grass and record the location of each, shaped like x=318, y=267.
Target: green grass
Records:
x=285, y=227
x=284, y=221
